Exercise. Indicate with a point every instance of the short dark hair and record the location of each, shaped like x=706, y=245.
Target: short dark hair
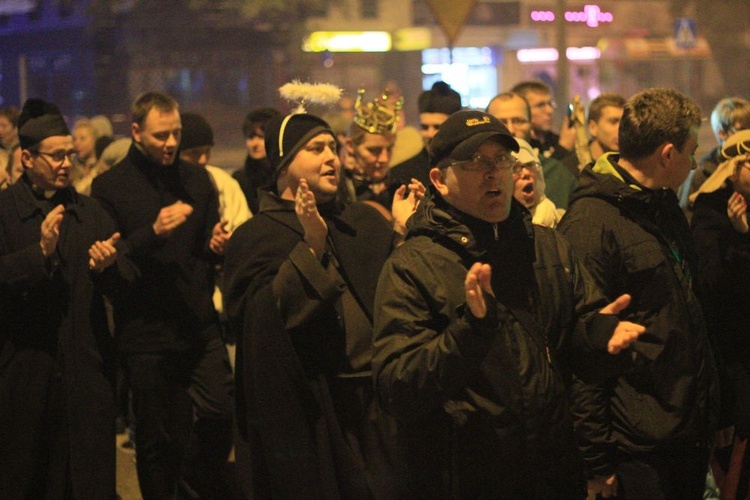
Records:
x=144, y=103
x=597, y=105
x=656, y=116
x=256, y=119
x=11, y=113
x=538, y=86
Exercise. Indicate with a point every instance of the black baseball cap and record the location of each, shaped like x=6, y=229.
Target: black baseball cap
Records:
x=464, y=131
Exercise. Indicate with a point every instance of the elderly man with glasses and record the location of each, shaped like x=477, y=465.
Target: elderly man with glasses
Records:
x=474, y=316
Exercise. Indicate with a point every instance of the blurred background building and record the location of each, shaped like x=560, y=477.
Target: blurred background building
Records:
x=224, y=57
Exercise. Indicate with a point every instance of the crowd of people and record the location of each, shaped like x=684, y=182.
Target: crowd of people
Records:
x=475, y=308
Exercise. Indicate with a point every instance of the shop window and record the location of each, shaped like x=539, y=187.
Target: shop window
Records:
x=368, y=9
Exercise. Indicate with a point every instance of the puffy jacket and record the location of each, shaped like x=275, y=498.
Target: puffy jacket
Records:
x=636, y=240
x=481, y=403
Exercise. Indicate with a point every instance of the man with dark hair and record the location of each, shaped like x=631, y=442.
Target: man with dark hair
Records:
x=543, y=105
x=513, y=111
x=604, y=117
x=58, y=257
x=257, y=173
x=167, y=328
x=644, y=431
x=435, y=106
x=299, y=287
x=473, y=315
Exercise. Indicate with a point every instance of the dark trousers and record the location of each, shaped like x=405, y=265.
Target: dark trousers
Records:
x=183, y=411
x=677, y=472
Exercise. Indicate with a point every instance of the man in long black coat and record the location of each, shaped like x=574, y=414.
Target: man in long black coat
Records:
x=57, y=258
x=300, y=282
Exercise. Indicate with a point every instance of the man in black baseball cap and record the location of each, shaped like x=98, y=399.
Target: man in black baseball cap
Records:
x=472, y=316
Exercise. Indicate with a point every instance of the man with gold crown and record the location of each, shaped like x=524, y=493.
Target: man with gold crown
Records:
x=300, y=281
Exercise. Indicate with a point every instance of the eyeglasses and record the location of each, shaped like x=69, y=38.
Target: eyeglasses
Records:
x=486, y=165
x=551, y=103
x=514, y=121
x=58, y=158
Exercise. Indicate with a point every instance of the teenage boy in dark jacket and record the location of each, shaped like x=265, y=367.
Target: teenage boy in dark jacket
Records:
x=472, y=315
x=644, y=432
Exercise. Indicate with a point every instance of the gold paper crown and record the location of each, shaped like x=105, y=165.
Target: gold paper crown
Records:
x=379, y=116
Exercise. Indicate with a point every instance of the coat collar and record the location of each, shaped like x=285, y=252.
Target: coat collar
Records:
x=28, y=204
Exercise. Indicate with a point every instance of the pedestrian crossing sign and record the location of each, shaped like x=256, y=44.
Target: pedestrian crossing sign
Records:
x=685, y=33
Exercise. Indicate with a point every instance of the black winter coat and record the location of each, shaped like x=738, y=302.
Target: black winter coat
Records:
x=57, y=357
x=724, y=286
x=637, y=241
x=171, y=307
x=481, y=403
x=291, y=349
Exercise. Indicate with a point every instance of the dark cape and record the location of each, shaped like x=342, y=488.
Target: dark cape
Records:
x=295, y=400
x=57, y=357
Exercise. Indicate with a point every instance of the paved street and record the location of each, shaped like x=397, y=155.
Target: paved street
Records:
x=127, y=479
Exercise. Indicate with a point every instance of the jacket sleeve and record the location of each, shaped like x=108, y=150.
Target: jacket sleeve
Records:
x=590, y=386
x=23, y=269
x=423, y=353
x=115, y=279
x=257, y=263
x=141, y=241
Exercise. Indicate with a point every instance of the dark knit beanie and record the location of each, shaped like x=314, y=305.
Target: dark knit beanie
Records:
x=257, y=118
x=38, y=120
x=196, y=131
x=440, y=99
x=286, y=135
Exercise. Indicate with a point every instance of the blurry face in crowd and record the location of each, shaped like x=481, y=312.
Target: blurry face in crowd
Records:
x=160, y=135
x=49, y=169
x=604, y=131
x=17, y=169
x=84, y=142
x=200, y=155
x=525, y=186
x=7, y=130
x=373, y=155
x=318, y=163
x=514, y=115
x=429, y=124
x=256, y=145
x=542, y=106
x=481, y=187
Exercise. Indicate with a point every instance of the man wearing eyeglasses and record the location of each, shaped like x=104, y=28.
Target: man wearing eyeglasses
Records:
x=513, y=111
x=58, y=257
x=473, y=316
x=542, y=106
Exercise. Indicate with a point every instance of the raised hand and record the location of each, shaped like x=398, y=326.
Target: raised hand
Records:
x=625, y=332
x=312, y=222
x=405, y=204
x=737, y=213
x=171, y=217
x=50, y=230
x=219, y=237
x=103, y=254
x=477, y=280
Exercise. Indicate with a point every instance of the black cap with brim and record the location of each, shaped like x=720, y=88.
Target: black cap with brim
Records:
x=464, y=131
